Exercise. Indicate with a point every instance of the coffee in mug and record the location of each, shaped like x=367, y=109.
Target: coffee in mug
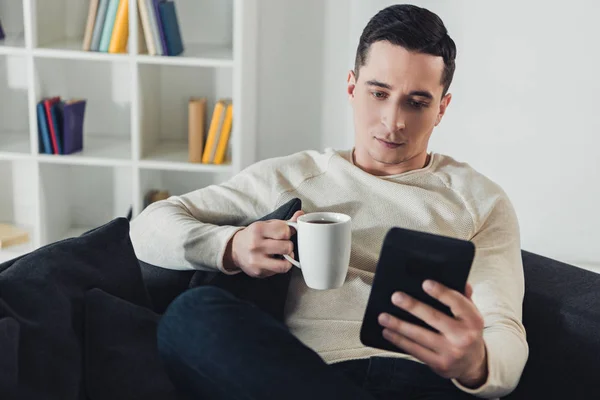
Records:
x=324, y=243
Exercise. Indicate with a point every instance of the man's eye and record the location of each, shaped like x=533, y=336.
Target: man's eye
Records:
x=416, y=104
x=379, y=95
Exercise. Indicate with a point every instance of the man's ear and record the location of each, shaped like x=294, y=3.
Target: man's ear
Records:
x=443, y=106
x=351, y=84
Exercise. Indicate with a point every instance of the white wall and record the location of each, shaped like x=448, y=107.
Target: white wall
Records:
x=524, y=110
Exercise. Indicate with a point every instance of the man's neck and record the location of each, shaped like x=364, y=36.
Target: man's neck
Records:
x=414, y=163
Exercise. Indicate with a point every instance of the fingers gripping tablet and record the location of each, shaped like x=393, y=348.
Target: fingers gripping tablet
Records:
x=407, y=259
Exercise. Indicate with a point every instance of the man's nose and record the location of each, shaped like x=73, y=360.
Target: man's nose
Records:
x=393, y=119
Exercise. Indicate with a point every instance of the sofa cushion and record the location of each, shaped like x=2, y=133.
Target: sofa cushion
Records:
x=43, y=292
x=561, y=315
x=9, y=351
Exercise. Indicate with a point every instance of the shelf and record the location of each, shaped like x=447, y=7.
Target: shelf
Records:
x=164, y=93
x=71, y=49
x=8, y=253
x=97, y=150
x=14, y=111
x=107, y=118
x=14, y=145
x=13, y=44
x=11, y=14
x=206, y=31
x=173, y=155
x=177, y=182
x=18, y=202
x=199, y=55
x=135, y=130
x=79, y=198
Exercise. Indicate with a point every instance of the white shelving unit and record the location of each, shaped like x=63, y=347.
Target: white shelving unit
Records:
x=135, y=130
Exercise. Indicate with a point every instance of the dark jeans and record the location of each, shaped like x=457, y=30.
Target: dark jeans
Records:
x=216, y=346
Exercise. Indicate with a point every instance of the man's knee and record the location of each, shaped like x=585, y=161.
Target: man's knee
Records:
x=192, y=319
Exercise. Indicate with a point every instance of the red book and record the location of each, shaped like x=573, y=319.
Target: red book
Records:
x=47, y=104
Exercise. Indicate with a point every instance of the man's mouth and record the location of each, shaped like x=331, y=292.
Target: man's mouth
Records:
x=389, y=145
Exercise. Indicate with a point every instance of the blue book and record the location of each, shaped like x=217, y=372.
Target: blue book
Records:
x=170, y=24
x=159, y=25
x=99, y=25
x=43, y=128
x=1, y=31
x=109, y=23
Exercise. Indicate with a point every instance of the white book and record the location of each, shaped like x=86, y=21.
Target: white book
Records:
x=154, y=21
x=145, y=17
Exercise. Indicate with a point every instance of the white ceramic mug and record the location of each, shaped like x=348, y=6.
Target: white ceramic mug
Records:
x=324, y=242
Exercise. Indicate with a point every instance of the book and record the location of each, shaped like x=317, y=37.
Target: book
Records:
x=161, y=32
x=154, y=23
x=57, y=124
x=224, y=136
x=11, y=235
x=196, y=127
x=48, y=102
x=73, y=115
x=89, y=26
x=144, y=17
x=99, y=25
x=109, y=23
x=2, y=36
x=120, y=34
x=214, y=131
x=43, y=128
x=170, y=25
x=141, y=44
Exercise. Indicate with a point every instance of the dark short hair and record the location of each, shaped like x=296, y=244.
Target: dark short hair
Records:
x=415, y=29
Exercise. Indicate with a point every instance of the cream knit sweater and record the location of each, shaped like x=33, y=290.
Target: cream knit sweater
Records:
x=445, y=197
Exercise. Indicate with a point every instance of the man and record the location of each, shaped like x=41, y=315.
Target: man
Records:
x=216, y=346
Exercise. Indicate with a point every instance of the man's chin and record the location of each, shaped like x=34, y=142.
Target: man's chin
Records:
x=391, y=158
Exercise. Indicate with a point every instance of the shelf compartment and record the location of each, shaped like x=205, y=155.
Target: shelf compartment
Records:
x=176, y=182
x=106, y=88
x=76, y=199
x=59, y=27
x=18, y=199
x=14, y=111
x=164, y=93
x=11, y=14
x=206, y=31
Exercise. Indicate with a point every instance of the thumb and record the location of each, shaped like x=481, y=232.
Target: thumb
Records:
x=297, y=214
x=468, y=291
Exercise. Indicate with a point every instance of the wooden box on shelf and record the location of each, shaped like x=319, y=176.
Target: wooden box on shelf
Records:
x=18, y=206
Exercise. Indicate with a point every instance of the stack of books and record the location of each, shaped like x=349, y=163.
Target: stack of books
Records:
x=160, y=27
x=213, y=147
x=60, y=125
x=107, y=27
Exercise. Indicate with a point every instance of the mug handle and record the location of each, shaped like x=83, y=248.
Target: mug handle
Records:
x=290, y=259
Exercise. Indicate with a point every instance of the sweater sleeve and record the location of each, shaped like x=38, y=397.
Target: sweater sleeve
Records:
x=498, y=290
x=191, y=231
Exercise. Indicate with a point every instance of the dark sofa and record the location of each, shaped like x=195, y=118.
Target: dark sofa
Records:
x=78, y=320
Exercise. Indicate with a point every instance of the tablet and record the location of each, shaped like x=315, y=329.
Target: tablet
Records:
x=408, y=258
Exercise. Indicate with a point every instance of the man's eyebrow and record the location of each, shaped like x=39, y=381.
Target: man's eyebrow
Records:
x=420, y=93
x=374, y=82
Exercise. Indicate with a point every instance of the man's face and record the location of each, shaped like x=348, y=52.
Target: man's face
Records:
x=397, y=101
